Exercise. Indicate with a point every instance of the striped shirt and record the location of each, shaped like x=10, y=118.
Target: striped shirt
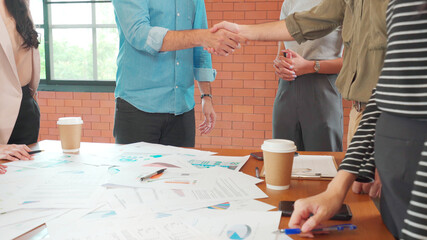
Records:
x=402, y=91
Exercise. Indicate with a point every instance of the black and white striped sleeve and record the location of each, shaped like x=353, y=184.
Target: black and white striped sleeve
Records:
x=359, y=158
x=415, y=223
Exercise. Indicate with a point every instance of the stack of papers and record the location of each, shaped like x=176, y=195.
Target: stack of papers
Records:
x=115, y=193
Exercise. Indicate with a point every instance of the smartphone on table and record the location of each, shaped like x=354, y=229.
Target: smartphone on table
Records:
x=344, y=214
x=257, y=155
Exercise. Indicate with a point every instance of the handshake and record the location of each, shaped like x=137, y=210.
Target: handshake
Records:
x=223, y=38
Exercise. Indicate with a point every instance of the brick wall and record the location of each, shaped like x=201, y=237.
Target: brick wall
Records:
x=244, y=89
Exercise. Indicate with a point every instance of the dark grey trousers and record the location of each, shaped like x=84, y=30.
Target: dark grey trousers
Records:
x=133, y=125
x=309, y=112
x=398, y=145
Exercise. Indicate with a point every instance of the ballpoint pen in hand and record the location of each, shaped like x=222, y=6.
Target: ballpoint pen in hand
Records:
x=339, y=227
x=152, y=174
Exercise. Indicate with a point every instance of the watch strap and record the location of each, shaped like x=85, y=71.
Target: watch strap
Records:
x=206, y=95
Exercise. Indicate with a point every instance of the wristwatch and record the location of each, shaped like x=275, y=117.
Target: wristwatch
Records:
x=206, y=95
x=316, y=66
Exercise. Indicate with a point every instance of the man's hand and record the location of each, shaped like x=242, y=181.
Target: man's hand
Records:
x=232, y=31
x=3, y=169
x=322, y=207
x=223, y=42
x=14, y=152
x=209, y=116
x=373, y=189
x=232, y=27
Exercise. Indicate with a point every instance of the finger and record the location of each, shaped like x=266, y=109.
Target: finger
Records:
x=26, y=148
x=17, y=154
x=11, y=158
x=24, y=153
x=300, y=214
x=313, y=221
x=287, y=63
x=285, y=77
x=375, y=190
x=366, y=187
x=357, y=187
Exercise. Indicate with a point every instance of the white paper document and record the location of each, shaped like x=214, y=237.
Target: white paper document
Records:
x=232, y=163
x=314, y=166
x=235, y=224
x=142, y=229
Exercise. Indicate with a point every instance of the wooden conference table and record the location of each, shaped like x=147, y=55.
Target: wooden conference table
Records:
x=365, y=214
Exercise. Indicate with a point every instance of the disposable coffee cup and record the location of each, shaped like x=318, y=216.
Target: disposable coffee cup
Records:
x=70, y=133
x=278, y=161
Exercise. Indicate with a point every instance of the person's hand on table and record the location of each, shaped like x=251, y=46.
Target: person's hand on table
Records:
x=209, y=116
x=321, y=206
x=13, y=152
x=373, y=188
x=3, y=169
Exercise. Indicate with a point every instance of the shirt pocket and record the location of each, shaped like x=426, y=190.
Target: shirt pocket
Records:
x=377, y=25
x=348, y=26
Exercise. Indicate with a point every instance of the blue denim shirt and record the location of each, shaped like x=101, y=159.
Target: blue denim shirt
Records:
x=153, y=81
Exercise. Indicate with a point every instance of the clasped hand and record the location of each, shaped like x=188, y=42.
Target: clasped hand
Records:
x=291, y=66
x=225, y=38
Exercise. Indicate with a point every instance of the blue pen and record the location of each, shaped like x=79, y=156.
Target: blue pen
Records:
x=340, y=227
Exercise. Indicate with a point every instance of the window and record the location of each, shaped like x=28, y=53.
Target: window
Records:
x=79, y=44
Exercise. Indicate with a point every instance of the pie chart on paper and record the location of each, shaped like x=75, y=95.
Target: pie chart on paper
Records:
x=240, y=231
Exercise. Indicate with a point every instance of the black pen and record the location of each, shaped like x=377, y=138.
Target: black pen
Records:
x=153, y=174
x=35, y=151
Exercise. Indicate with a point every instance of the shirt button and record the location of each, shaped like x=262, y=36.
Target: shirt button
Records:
x=177, y=63
x=176, y=86
x=178, y=14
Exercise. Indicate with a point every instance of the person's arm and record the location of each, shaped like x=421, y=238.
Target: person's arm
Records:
x=207, y=108
x=295, y=65
x=272, y=31
x=222, y=41
x=310, y=212
x=134, y=21
x=14, y=152
x=302, y=26
x=358, y=164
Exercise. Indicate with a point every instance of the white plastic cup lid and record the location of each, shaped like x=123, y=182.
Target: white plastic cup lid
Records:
x=69, y=121
x=279, y=146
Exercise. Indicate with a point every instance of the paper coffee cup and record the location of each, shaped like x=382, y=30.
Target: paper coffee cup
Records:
x=278, y=161
x=70, y=133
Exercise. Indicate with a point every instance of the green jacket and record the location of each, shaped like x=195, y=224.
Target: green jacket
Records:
x=364, y=36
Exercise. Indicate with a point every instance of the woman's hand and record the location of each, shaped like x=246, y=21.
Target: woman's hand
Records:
x=322, y=207
x=310, y=212
x=3, y=169
x=14, y=152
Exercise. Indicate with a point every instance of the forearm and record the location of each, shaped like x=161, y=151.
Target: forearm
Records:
x=204, y=87
x=177, y=40
x=330, y=66
x=272, y=31
x=341, y=183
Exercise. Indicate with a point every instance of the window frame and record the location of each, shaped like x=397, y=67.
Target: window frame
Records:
x=48, y=84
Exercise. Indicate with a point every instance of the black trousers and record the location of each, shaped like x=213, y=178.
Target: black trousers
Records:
x=27, y=125
x=133, y=125
x=399, y=142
